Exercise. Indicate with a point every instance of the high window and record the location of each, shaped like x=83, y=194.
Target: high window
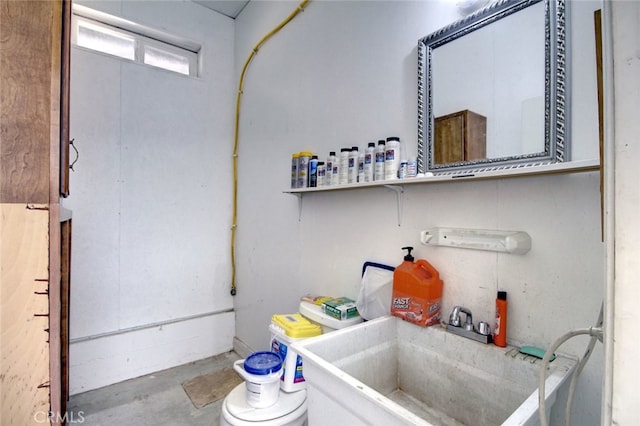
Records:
x=125, y=39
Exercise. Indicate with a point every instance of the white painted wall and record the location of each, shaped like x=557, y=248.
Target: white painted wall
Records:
x=151, y=197
x=344, y=73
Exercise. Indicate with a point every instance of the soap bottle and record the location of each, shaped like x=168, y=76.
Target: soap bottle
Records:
x=417, y=291
x=392, y=158
x=369, y=161
x=343, y=166
x=352, y=174
x=378, y=167
x=500, y=329
x=331, y=159
x=313, y=172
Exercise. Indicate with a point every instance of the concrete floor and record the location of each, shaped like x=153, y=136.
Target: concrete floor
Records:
x=156, y=399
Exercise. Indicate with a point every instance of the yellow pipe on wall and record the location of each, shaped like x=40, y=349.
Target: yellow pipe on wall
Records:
x=253, y=53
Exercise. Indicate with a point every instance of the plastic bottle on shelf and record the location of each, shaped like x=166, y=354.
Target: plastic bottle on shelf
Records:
x=303, y=169
x=343, y=168
x=361, y=167
x=313, y=171
x=412, y=167
x=369, y=159
x=294, y=169
x=403, y=170
x=378, y=167
x=322, y=174
x=392, y=158
x=331, y=159
x=353, y=165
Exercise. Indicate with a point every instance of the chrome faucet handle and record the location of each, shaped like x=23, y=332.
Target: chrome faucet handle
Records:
x=484, y=328
x=454, y=318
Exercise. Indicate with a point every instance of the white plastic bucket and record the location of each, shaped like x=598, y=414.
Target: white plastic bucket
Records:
x=261, y=372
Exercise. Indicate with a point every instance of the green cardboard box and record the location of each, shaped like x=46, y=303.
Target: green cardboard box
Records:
x=341, y=308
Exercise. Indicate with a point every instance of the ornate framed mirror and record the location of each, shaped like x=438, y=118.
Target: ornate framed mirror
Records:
x=492, y=89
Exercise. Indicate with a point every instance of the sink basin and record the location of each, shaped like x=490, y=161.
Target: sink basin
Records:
x=391, y=372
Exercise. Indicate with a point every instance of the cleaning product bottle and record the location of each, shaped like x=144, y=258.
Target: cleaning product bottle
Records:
x=294, y=169
x=392, y=158
x=378, y=167
x=313, y=172
x=369, y=161
x=500, y=329
x=352, y=173
x=417, y=291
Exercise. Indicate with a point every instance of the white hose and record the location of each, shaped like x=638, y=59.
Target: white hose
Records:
x=592, y=331
x=576, y=374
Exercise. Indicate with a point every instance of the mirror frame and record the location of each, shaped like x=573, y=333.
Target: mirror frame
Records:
x=556, y=86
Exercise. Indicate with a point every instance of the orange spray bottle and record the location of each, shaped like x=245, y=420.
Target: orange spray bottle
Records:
x=417, y=291
x=500, y=329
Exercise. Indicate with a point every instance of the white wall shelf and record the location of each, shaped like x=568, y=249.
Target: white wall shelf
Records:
x=398, y=185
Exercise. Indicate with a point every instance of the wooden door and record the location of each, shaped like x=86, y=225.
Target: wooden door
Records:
x=31, y=116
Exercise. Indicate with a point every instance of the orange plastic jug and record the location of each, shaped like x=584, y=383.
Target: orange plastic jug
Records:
x=417, y=291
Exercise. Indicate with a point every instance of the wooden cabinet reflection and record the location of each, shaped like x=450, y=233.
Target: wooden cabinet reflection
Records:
x=460, y=136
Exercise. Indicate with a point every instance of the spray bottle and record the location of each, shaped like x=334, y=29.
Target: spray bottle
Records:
x=500, y=329
x=417, y=291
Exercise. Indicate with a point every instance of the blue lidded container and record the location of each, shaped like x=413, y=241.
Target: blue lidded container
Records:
x=263, y=363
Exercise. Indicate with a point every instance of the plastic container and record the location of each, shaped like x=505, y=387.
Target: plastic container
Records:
x=322, y=174
x=343, y=166
x=378, y=167
x=261, y=372
x=285, y=330
x=404, y=169
x=303, y=169
x=313, y=172
x=361, y=167
x=500, y=329
x=369, y=161
x=392, y=158
x=352, y=175
x=412, y=167
x=294, y=169
x=417, y=291
x=330, y=163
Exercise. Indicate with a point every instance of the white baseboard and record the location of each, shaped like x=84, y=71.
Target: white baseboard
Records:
x=241, y=348
x=103, y=361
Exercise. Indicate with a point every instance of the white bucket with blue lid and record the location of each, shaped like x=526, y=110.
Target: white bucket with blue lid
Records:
x=261, y=372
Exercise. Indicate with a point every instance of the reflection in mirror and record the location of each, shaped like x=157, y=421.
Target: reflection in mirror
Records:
x=491, y=89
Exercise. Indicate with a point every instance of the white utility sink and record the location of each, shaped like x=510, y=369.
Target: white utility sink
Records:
x=391, y=372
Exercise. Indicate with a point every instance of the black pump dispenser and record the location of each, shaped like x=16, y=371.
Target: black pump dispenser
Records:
x=408, y=256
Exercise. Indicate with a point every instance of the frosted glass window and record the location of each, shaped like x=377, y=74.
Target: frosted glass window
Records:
x=128, y=40
x=102, y=39
x=167, y=60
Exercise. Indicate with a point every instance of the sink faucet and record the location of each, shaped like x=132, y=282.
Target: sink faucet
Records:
x=467, y=329
x=454, y=318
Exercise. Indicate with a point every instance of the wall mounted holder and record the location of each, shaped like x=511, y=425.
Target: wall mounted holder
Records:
x=513, y=242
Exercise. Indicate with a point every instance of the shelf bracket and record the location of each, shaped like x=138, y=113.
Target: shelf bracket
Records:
x=299, y=195
x=399, y=190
